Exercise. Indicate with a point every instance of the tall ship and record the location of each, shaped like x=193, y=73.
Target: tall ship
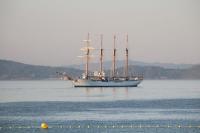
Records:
x=99, y=78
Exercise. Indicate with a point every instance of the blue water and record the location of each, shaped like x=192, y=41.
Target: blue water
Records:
x=155, y=106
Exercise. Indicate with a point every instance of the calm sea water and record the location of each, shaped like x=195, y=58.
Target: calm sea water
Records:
x=155, y=106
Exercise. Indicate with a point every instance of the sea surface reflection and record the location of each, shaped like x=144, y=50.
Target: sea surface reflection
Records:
x=155, y=106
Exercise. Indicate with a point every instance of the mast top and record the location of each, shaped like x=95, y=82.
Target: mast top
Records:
x=127, y=41
x=114, y=41
x=101, y=41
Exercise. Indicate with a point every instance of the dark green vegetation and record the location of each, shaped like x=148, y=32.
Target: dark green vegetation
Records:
x=10, y=70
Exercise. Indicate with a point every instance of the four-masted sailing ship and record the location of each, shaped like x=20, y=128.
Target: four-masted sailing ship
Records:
x=99, y=78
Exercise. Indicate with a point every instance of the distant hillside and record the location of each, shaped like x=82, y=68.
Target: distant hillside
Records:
x=154, y=72
x=107, y=65
x=10, y=70
x=13, y=70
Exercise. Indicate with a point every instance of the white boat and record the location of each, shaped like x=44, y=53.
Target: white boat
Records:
x=98, y=79
x=106, y=83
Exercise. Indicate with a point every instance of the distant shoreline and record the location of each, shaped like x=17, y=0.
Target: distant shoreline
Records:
x=11, y=70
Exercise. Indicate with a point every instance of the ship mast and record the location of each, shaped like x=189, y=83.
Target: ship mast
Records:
x=114, y=57
x=87, y=56
x=126, y=64
x=101, y=56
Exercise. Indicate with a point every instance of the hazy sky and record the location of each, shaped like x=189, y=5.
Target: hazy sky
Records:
x=50, y=32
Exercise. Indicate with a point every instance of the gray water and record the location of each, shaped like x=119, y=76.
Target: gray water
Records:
x=153, y=106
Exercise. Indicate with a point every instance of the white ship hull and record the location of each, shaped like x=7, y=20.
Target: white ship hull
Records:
x=112, y=83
